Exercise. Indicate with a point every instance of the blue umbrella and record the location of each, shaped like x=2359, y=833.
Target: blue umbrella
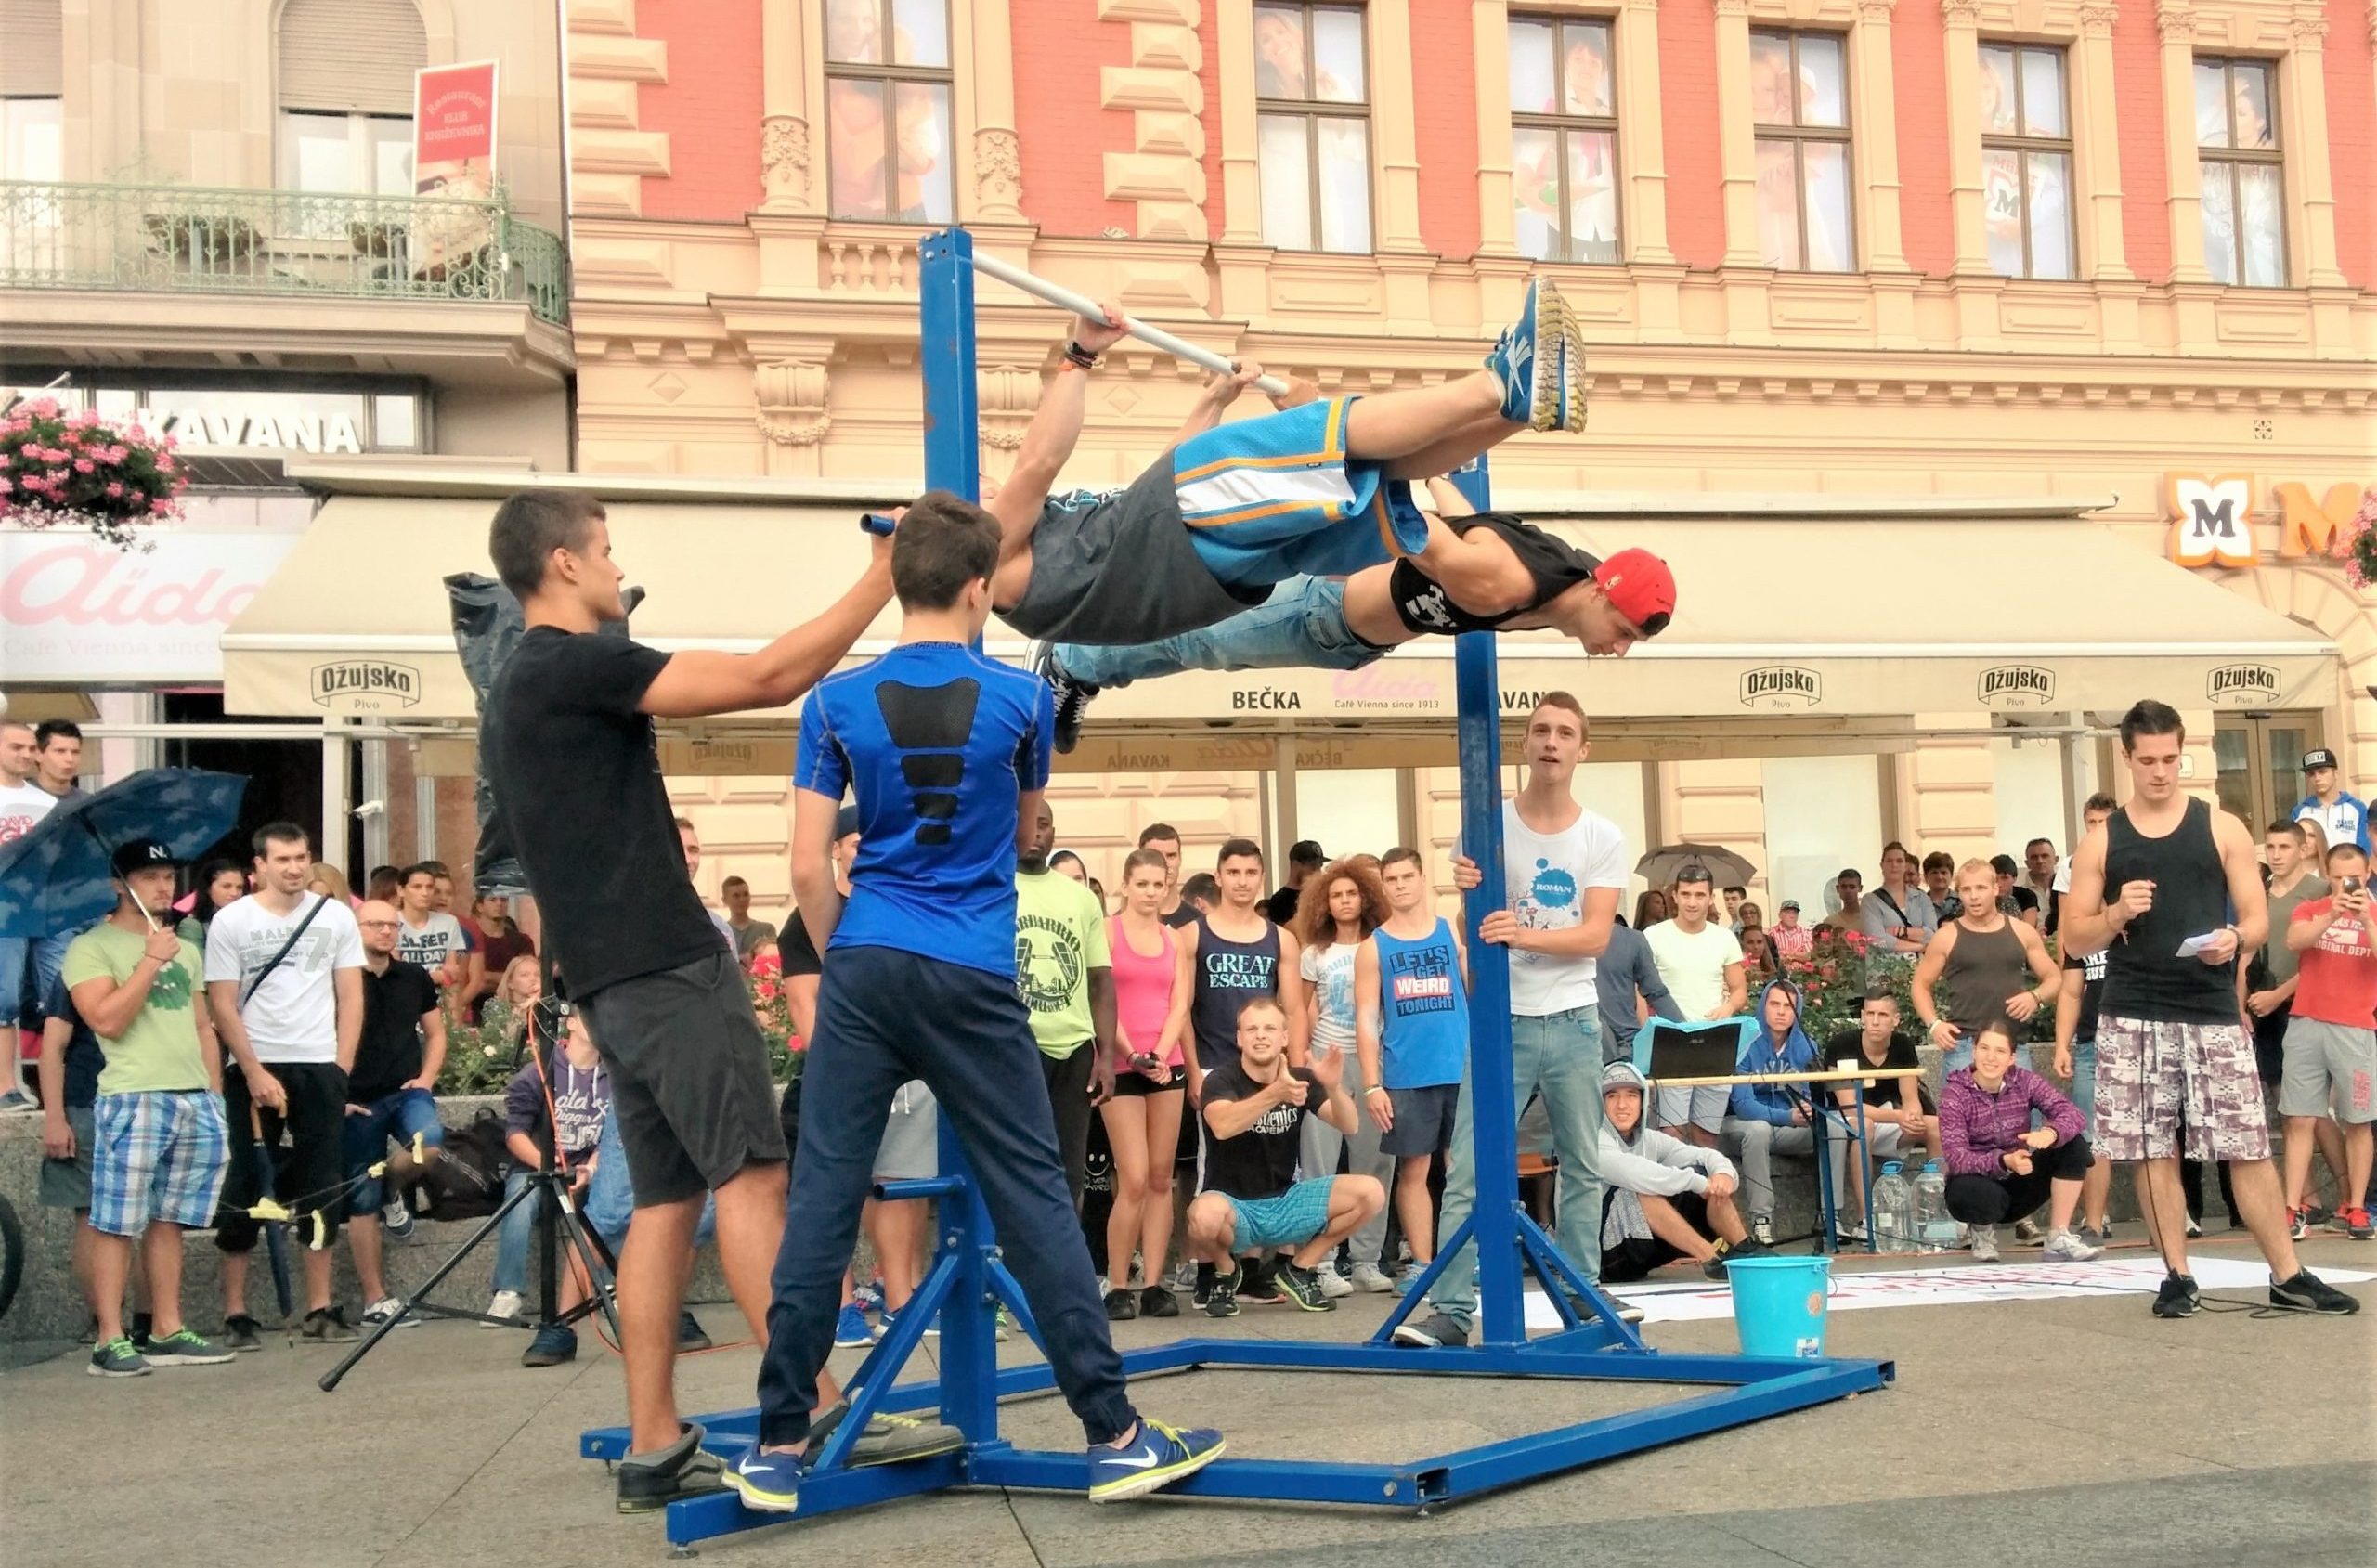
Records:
x=58, y=877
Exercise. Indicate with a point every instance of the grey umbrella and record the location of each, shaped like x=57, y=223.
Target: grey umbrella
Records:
x=1726, y=868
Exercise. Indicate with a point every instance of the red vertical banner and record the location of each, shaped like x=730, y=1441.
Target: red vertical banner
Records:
x=453, y=156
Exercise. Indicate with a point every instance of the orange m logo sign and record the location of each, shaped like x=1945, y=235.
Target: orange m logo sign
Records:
x=2309, y=528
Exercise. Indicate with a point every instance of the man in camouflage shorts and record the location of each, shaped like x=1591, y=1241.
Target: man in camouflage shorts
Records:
x=2169, y=889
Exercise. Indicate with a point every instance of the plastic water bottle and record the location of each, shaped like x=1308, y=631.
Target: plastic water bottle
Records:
x=1893, y=1216
x=1932, y=1223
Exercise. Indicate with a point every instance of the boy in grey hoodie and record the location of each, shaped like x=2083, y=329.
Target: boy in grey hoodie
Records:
x=1666, y=1199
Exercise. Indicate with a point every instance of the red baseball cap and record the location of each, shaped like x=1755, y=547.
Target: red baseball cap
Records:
x=1641, y=587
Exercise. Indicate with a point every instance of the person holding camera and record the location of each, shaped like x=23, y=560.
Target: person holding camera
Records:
x=2332, y=1038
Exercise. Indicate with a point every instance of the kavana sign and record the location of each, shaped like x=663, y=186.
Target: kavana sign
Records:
x=2211, y=519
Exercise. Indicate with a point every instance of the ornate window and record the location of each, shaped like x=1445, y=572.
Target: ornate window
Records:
x=1563, y=138
x=1799, y=105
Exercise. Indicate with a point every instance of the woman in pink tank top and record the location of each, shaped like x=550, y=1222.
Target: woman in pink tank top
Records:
x=1143, y=1115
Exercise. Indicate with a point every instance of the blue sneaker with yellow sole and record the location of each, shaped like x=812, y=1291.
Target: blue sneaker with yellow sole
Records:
x=1154, y=1458
x=768, y=1483
x=1530, y=361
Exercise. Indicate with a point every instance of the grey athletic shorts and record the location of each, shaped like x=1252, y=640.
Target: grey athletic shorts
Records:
x=689, y=1077
x=2324, y=1060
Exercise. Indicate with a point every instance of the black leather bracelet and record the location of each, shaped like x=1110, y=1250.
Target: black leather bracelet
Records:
x=1081, y=356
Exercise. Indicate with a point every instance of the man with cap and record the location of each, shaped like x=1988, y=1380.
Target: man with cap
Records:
x=1305, y=857
x=1789, y=938
x=1504, y=576
x=160, y=1144
x=2342, y=815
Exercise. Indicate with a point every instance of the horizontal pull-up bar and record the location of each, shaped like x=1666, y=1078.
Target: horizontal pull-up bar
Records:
x=1065, y=299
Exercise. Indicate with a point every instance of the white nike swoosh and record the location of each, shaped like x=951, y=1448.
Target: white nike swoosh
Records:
x=1135, y=1462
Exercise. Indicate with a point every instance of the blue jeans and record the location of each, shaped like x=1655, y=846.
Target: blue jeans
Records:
x=29, y=966
x=1301, y=626
x=610, y=1197
x=2084, y=1084
x=1557, y=1056
x=965, y=1033
x=511, y=1241
x=399, y=1116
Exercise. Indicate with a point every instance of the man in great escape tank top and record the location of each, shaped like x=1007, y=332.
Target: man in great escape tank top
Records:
x=2170, y=891
x=1227, y=958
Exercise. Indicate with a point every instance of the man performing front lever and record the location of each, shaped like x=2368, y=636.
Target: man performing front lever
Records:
x=570, y=752
x=1322, y=488
x=2169, y=890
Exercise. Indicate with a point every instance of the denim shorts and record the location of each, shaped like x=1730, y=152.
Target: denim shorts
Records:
x=402, y=1116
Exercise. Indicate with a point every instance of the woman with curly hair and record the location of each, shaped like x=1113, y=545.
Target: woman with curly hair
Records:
x=1336, y=911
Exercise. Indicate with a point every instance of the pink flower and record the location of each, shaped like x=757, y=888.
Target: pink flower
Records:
x=115, y=490
x=84, y=465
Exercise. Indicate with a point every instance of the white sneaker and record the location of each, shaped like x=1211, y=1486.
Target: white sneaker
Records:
x=1371, y=1279
x=505, y=1304
x=379, y=1312
x=1333, y=1285
x=2064, y=1246
x=1984, y=1244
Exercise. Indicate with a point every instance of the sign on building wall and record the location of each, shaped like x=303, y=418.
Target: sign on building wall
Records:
x=73, y=610
x=2211, y=519
x=453, y=155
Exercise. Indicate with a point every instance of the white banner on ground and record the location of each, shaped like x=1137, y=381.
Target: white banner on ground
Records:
x=1952, y=1287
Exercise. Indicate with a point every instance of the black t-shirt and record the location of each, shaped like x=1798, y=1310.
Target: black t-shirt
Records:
x=795, y=951
x=2024, y=900
x=1184, y=916
x=388, y=1054
x=1260, y=1162
x=2092, y=992
x=1280, y=907
x=1848, y=1043
x=576, y=776
x=1553, y=564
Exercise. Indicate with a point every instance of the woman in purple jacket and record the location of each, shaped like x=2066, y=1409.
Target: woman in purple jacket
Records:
x=1999, y=1166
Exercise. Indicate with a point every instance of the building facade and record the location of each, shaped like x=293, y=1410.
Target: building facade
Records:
x=211, y=216
x=1845, y=248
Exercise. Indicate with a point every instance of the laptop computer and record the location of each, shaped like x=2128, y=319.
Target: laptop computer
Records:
x=1666, y=1049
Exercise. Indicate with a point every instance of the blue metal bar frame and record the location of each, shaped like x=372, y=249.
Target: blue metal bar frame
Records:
x=968, y=1282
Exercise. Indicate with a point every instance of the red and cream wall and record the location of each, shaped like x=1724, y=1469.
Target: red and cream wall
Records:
x=727, y=325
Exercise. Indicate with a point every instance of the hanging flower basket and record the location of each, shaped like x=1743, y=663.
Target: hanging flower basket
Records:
x=2361, y=544
x=84, y=471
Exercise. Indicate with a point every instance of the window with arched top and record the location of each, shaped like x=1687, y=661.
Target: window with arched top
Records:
x=346, y=71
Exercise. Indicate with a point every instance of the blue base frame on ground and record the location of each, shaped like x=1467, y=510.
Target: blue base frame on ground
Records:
x=967, y=1283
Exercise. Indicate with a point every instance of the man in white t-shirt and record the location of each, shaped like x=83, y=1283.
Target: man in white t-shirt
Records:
x=1701, y=962
x=1566, y=868
x=292, y=1029
x=22, y=803
x=426, y=935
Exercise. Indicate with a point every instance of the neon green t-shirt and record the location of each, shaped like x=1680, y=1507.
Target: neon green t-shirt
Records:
x=1060, y=938
x=158, y=1052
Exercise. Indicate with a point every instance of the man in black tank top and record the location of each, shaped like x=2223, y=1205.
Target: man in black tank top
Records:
x=2170, y=891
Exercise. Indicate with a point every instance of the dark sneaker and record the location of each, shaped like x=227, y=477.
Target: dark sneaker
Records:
x=890, y=1440
x=554, y=1344
x=241, y=1332
x=2356, y=1223
x=851, y=1329
x=1302, y=1287
x=1222, y=1300
x=1120, y=1306
x=654, y=1481
x=387, y=1309
x=690, y=1335
x=1726, y=1252
x=183, y=1348
x=2298, y=1225
x=118, y=1359
x=2307, y=1292
x=1154, y=1459
x=1259, y=1285
x=1073, y=696
x=395, y=1218
x=1204, y=1285
x=2313, y=1215
x=1433, y=1331
x=1157, y=1302
x=2177, y=1296
x=327, y=1326
x=2195, y=1227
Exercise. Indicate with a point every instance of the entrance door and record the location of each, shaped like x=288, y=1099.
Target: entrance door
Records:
x=2261, y=763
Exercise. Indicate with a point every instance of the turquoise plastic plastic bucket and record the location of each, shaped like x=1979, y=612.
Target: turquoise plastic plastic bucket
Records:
x=1779, y=1305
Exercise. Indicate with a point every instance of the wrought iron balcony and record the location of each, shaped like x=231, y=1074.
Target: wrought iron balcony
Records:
x=178, y=238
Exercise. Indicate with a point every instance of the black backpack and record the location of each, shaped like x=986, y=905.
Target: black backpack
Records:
x=466, y=1183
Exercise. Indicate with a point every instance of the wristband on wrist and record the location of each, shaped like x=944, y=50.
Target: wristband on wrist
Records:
x=1375, y=1089
x=1076, y=354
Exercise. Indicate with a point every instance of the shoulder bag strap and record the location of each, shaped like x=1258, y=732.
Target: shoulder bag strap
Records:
x=266, y=973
